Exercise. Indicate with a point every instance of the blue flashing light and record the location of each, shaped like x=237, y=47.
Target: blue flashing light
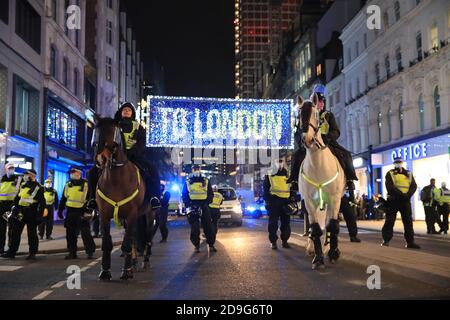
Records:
x=251, y=209
x=176, y=188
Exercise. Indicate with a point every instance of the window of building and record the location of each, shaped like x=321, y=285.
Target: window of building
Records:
x=357, y=87
x=26, y=115
x=28, y=24
x=401, y=116
x=108, y=69
x=349, y=56
x=3, y=96
x=421, y=106
x=55, y=10
x=398, y=57
x=434, y=36
x=64, y=128
x=389, y=122
x=397, y=10
x=350, y=93
x=4, y=11
x=110, y=4
x=379, y=125
x=377, y=73
x=419, y=45
x=65, y=72
x=366, y=80
x=417, y=2
x=437, y=106
x=76, y=79
x=357, y=48
x=109, y=31
x=66, y=16
x=387, y=64
x=53, y=62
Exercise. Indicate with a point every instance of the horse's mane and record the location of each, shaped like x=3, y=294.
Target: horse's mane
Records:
x=306, y=110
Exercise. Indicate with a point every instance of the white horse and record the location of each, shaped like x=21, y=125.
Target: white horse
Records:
x=321, y=184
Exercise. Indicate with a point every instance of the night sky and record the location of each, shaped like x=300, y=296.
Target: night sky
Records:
x=193, y=39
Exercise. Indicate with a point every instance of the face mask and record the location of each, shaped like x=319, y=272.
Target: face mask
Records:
x=444, y=185
x=74, y=176
x=197, y=174
x=26, y=178
x=398, y=166
x=48, y=185
x=9, y=173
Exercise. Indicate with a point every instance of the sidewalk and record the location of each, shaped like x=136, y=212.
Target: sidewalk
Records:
x=59, y=244
x=420, y=227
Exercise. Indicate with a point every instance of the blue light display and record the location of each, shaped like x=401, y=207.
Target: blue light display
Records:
x=219, y=123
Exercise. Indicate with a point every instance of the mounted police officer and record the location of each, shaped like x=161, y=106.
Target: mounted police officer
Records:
x=162, y=214
x=134, y=138
x=74, y=200
x=442, y=198
x=197, y=195
x=28, y=207
x=214, y=207
x=330, y=133
x=9, y=187
x=51, y=202
x=401, y=186
x=276, y=194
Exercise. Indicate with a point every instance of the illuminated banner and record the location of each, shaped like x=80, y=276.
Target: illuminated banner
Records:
x=219, y=123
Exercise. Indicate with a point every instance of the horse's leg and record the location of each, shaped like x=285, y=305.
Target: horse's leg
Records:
x=315, y=236
x=333, y=229
x=107, y=246
x=127, y=247
x=150, y=231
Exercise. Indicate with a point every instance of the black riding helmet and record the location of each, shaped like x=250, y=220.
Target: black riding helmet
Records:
x=118, y=115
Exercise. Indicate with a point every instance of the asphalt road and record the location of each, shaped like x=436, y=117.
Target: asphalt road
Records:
x=243, y=268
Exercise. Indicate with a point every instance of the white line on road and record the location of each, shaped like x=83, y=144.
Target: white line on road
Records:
x=58, y=285
x=43, y=295
x=9, y=268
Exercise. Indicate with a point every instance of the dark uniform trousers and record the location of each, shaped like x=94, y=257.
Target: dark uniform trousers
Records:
x=215, y=217
x=74, y=224
x=349, y=217
x=4, y=207
x=444, y=211
x=430, y=217
x=206, y=222
x=275, y=210
x=161, y=222
x=394, y=206
x=47, y=223
x=29, y=220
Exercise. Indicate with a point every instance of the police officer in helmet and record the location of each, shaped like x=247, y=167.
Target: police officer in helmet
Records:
x=401, y=186
x=214, y=207
x=51, y=202
x=74, y=199
x=330, y=133
x=134, y=140
x=162, y=214
x=197, y=192
x=29, y=205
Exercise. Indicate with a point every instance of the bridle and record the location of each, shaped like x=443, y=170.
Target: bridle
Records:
x=316, y=130
x=113, y=149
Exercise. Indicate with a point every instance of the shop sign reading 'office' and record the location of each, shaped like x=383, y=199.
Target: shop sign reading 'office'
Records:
x=219, y=123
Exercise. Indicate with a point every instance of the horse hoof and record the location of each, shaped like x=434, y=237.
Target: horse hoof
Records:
x=126, y=274
x=333, y=255
x=105, y=275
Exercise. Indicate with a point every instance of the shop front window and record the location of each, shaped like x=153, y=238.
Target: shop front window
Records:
x=62, y=127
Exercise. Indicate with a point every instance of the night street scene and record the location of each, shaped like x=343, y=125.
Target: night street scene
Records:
x=225, y=157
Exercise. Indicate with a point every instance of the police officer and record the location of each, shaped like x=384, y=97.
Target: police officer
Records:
x=426, y=196
x=162, y=214
x=401, y=186
x=442, y=198
x=9, y=187
x=330, y=133
x=276, y=195
x=74, y=200
x=214, y=208
x=51, y=202
x=28, y=207
x=350, y=218
x=197, y=192
x=134, y=138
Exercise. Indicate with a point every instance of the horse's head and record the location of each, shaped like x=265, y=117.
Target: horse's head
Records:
x=108, y=142
x=310, y=122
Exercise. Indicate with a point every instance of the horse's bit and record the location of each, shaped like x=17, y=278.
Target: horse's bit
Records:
x=316, y=132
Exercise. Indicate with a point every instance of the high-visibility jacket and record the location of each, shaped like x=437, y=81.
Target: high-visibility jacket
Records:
x=198, y=190
x=49, y=197
x=441, y=196
x=9, y=189
x=76, y=195
x=129, y=141
x=325, y=126
x=279, y=187
x=401, y=182
x=27, y=199
x=217, y=200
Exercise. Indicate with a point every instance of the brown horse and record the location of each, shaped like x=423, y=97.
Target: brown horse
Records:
x=120, y=196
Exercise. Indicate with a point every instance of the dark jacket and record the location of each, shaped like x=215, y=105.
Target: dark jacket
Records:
x=268, y=197
x=185, y=194
x=137, y=151
x=62, y=203
x=394, y=193
x=56, y=203
x=165, y=200
x=426, y=195
x=40, y=205
x=334, y=132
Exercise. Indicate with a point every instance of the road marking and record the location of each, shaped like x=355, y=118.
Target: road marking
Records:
x=84, y=269
x=58, y=285
x=9, y=268
x=43, y=295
